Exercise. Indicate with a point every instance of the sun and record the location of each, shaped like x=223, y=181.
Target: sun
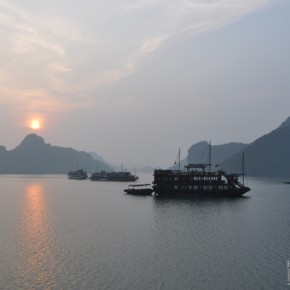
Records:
x=35, y=124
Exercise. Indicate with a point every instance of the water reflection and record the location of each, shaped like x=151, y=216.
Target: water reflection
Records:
x=37, y=265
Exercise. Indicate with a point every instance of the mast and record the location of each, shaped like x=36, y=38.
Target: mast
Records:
x=179, y=159
x=243, y=166
x=209, y=157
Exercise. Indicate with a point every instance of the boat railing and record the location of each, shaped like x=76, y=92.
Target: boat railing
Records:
x=201, y=166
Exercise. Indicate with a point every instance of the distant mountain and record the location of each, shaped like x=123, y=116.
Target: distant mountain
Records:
x=98, y=158
x=34, y=156
x=199, y=152
x=269, y=155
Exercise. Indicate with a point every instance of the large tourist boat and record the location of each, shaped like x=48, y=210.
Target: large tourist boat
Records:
x=198, y=180
x=113, y=176
x=78, y=174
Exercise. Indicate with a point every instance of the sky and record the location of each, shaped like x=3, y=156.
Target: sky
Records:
x=136, y=80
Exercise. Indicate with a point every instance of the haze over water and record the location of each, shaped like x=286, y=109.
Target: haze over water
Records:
x=64, y=234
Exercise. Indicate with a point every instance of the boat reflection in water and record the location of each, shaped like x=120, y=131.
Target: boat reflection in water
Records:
x=36, y=265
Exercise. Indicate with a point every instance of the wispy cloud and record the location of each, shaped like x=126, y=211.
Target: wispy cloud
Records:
x=59, y=58
x=24, y=31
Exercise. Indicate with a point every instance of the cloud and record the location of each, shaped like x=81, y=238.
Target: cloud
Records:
x=26, y=35
x=69, y=56
x=150, y=45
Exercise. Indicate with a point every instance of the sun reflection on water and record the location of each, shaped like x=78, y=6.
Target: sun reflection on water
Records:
x=38, y=265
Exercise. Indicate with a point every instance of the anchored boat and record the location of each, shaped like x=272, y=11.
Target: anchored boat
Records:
x=78, y=174
x=113, y=176
x=139, y=189
x=198, y=181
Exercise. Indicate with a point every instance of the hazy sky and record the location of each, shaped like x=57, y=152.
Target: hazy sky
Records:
x=135, y=80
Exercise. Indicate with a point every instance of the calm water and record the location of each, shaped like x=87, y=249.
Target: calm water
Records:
x=57, y=233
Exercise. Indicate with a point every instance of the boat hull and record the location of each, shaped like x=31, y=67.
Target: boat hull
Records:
x=77, y=177
x=113, y=176
x=199, y=193
x=139, y=191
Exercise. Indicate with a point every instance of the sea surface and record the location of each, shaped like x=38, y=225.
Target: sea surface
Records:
x=57, y=233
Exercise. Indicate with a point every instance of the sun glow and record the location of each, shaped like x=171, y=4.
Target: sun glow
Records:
x=35, y=124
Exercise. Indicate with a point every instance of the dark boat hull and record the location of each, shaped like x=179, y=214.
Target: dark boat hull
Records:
x=113, y=176
x=77, y=177
x=147, y=191
x=200, y=193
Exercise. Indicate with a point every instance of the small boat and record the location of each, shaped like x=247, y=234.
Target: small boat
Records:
x=287, y=182
x=78, y=175
x=139, y=189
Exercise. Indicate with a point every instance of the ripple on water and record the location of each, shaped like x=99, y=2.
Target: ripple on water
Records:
x=57, y=234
